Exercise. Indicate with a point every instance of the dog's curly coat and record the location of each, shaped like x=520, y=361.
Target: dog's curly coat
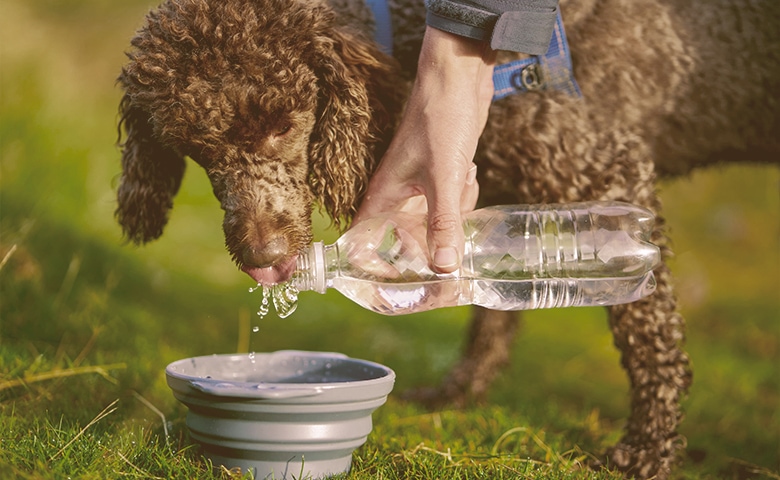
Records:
x=286, y=103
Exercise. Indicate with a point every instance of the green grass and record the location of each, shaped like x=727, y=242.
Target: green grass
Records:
x=88, y=324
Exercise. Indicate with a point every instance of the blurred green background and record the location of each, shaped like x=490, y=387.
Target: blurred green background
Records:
x=73, y=295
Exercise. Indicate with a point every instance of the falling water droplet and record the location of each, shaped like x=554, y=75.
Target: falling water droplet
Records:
x=255, y=329
x=264, y=304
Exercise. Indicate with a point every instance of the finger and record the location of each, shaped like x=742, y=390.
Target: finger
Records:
x=470, y=195
x=445, y=231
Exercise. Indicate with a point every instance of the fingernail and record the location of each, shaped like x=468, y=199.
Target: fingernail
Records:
x=471, y=175
x=445, y=257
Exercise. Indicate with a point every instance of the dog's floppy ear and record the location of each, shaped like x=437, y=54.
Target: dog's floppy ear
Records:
x=151, y=176
x=342, y=148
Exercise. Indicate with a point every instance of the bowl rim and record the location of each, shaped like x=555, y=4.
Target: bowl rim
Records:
x=260, y=389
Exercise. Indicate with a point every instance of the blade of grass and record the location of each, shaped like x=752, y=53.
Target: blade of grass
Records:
x=74, y=267
x=549, y=453
x=111, y=408
x=151, y=407
x=243, y=331
x=7, y=256
x=88, y=347
x=141, y=473
x=101, y=370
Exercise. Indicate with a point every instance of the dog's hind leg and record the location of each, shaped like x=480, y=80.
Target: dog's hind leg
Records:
x=649, y=334
x=488, y=344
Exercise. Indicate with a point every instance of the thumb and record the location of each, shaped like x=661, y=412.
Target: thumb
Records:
x=445, y=234
x=445, y=224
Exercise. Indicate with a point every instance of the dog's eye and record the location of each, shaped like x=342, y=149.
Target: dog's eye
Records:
x=283, y=130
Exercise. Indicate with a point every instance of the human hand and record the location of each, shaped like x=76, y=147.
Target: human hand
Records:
x=428, y=166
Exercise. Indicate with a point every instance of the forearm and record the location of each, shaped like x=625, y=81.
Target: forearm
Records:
x=428, y=165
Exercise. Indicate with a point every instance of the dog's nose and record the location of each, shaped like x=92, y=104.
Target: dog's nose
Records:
x=267, y=255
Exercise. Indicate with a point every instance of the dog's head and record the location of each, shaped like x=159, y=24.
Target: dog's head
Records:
x=281, y=106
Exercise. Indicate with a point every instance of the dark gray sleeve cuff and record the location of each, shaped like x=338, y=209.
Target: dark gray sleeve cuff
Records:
x=516, y=25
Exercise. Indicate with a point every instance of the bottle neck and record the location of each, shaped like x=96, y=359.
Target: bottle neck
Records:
x=309, y=269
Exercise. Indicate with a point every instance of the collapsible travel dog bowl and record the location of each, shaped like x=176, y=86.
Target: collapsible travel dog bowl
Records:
x=282, y=415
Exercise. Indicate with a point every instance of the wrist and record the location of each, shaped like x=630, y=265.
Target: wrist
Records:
x=446, y=49
x=458, y=63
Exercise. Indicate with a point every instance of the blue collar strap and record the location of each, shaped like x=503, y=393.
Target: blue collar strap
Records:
x=384, y=28
x=551, y=71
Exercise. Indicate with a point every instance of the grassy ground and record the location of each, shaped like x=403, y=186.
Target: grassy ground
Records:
x=88, y=324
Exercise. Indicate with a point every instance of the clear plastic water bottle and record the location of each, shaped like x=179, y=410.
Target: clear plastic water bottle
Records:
x=517, y=257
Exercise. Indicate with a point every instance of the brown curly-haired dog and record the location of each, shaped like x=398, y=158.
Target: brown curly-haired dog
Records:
x=286, y=103
x=283, y=103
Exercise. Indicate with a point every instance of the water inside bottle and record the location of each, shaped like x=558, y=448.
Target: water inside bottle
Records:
x=405, y=298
